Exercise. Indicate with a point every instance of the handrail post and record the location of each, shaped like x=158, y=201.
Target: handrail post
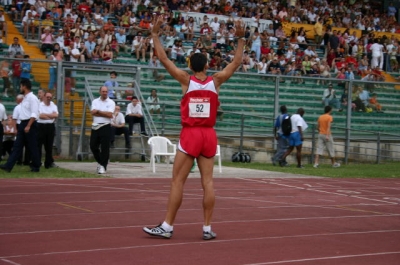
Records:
x=311, y=160
x=241, y=133
x=71, y=127
x=378, y=148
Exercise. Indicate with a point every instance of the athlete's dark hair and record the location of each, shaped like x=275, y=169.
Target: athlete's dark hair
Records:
x=198, y=62
x=283, y=109
x=26, y=83
x=327, y=109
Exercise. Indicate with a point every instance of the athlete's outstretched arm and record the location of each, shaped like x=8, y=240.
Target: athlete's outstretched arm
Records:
x=228, y=71
x=175, y=72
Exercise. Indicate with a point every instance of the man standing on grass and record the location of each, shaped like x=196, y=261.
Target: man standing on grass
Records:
x=325, y=137
x=296, y=137
x=102, y=111
x=27, y=129
x=198, y=139
x=283, y=141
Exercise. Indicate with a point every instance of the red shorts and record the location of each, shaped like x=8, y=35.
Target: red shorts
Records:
x=196, y=141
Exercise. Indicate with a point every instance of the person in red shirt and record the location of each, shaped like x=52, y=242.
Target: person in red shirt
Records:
x=198, y=139
x=265, y=49
x=84, y=7
x=16, y=76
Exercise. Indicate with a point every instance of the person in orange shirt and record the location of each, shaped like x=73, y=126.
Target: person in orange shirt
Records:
x=373, y=103
x=325, y=138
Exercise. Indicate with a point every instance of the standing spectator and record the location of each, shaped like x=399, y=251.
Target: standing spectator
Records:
x=329, y=97
x=296, y=137
x=3, y=117
x=4, y=72
x=118, y=127
x=154, y=102
x=333, y=42
x=26, y=68
x=283, y=141
x=27, y=129
x=48, y=113
x=134, y=114
x=377, y=55
x=256, y=44
x=16, y=73
x=112, y=84
x=102, y=111
x=318, y=31
x=325, y=137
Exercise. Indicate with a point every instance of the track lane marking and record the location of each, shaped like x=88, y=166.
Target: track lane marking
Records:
x=75, y=207
x=197, y=242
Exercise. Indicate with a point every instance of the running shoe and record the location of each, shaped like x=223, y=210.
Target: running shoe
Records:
x=336, y=165
x=316, y=166
x=158, y=231
x=209, y=235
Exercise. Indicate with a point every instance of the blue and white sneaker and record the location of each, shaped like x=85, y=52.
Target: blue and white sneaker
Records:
x=158, y=231
x=209, y=235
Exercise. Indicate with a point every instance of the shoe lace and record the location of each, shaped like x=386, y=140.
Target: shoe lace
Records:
x=158, y=229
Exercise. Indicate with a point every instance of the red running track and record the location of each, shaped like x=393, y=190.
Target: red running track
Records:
x=258, y=221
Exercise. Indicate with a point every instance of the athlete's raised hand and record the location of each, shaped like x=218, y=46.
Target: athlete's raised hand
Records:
x=158, y=20
x=239, y=28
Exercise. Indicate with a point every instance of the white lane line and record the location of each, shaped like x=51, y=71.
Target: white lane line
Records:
x=197, y=242
x=325, y=258
x=196, y=223
x=10, y=262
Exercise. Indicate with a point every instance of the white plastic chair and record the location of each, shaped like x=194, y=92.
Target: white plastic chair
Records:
x=160, y=146
x=218, y=154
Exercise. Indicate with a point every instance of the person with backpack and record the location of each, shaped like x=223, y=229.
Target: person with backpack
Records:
x=298, y=125
x=281, y=129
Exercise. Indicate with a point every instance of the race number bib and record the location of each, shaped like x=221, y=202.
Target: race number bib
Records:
x=199, y=107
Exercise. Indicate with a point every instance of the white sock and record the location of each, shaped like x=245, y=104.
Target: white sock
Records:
x=206, y=228
x=167, y=227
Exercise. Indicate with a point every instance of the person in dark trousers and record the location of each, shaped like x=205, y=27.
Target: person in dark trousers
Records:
x=48, y=113
x=118, y=127
x=27, y=129
x=134, y=114
x=296, y=137
x=283, y=141
x=102, y=111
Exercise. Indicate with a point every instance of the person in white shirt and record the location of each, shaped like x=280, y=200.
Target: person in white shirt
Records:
x=10, y=131
x=102, y=110
x=296, y=137
x=377, y=55
x=27, y=129
x=48, y=113
x=215, y=25
x=134, y=114
x=3, y=117
x=154, y=102
x=329, y=97
x=118, y=127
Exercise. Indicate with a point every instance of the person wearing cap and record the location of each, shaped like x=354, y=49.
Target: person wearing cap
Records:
x=329, y=97
x=47, y=39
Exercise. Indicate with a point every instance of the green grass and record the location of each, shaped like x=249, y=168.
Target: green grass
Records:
x=386, y=170
x=23, y=172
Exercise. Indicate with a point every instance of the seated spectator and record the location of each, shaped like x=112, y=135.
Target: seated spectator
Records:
x=343, y=99
x=306, y=65
x=118, y=127
x=351, y=62
x=374, y=104
x=178, y=52
x=15, y=48
x=215, y=62
x=274, y=67
x=154, y=62
x=139, y=47
x=107, y=55
x=154, y=102
x=28, y=25
x=47, y=40
x=262, y=66
x=245, y=62
x=363, y=95
x=329, y=98
x=340, y=64
x=356, y=99
x=134, y=114
x=121, y=39
x=280, y=34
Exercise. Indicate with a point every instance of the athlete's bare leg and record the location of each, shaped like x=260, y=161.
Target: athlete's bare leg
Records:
x=181, y=169
x=206, y=167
